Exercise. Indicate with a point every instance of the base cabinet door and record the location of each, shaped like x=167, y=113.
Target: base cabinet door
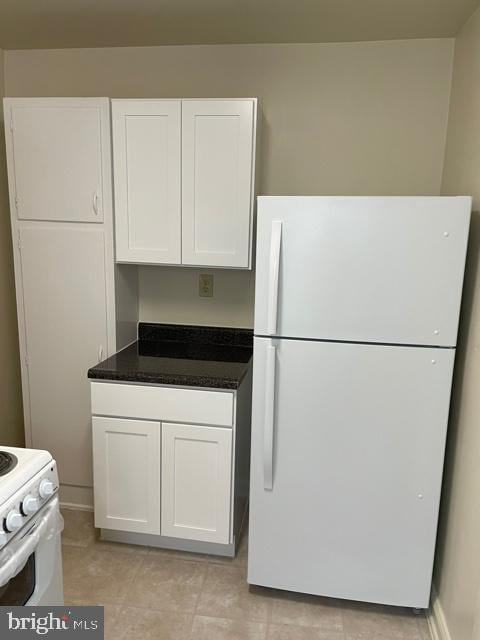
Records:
x=126, y=458
x=196, y=482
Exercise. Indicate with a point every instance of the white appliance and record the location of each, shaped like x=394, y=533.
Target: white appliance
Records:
x=30, y=529
x=356, y=314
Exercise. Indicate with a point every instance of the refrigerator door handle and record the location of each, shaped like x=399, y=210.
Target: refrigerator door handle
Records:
x=274, y=269
x=269, y=418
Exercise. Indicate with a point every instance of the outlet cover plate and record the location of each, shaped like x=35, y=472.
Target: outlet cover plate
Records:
x=205, y=285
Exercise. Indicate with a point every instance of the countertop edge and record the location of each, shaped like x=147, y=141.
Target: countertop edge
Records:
x=165, y=379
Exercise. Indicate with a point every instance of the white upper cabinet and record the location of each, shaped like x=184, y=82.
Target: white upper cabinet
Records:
x=70, y=139
x=217, y=166
x=146, y=160
x=183, y=175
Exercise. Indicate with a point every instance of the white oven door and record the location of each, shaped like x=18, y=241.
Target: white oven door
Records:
x=31, y=564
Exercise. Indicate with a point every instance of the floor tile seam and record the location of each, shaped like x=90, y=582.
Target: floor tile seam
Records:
x=234, y=619
x=116, y=618
x=324, y=628
x=152, y=551
x=421, y=618
x=340, y=632
x=190, y=630
x=133, y=578
x=74, y=545
x=158, y=610
x=204, y=579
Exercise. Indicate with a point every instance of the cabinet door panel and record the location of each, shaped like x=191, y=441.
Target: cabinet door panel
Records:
x=127, y=474
x=217, y=164
x=59, y=151
x=196, y=482
x=146, y=156
x=65, y=319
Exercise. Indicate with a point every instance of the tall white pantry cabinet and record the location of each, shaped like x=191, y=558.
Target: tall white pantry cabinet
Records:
x=75, y=305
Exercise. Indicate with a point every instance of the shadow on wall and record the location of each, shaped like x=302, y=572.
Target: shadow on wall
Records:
x=464, y=336
x=11, y=412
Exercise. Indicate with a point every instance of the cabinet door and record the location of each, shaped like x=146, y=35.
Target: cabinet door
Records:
x=126, y=455
x=217, y=168
x=62, y=269
x=196, y=482
x=59, y=151
x=146, y=161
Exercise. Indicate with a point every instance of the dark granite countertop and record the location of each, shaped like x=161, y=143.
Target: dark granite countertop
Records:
x=181, y=355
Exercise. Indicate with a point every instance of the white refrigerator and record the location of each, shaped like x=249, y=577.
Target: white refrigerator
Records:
x=356, y=314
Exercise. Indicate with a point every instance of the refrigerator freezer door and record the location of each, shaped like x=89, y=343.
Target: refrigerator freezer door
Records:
x=350, y=507
x=384, y=270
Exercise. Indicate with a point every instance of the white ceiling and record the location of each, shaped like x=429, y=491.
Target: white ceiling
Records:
x=26, y=24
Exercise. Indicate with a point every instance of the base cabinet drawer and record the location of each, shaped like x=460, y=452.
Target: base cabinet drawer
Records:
x=126, y=460
x=196, y=482
x=162, y=403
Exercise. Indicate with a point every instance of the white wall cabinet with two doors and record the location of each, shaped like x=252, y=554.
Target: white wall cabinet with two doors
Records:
x=184, y=181
x=74, y=305
x=171, y=464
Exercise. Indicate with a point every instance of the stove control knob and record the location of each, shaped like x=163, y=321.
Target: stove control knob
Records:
x=13, y=521
x=29, y=505
x=46, y=489
x=3, y=538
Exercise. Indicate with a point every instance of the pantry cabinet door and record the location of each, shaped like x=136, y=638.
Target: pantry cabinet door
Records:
x=217, y=182
x=146, y=163
x=64, y=324
x=196, y=482
x=59, y=158
x=126, y=459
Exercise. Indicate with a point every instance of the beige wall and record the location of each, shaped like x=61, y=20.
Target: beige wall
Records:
x=457, y=574
x=11, y=417
x=361, y=118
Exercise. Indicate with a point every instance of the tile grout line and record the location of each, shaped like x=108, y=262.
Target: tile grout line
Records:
x=197, y=599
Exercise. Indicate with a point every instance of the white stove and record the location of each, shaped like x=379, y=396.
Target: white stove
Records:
x=30, y=528
x=17, y=467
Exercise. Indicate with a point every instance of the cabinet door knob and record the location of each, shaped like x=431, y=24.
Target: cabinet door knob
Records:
x=95, y=203
x=100, y=353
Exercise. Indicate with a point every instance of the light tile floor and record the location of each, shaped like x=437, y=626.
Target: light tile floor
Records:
x=151, y=594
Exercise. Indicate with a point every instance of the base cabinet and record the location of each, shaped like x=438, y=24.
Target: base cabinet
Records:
x=126, y=471
x=196, y=482
x=163, y=479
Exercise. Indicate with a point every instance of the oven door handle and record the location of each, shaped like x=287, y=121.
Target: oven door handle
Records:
x=15, y=555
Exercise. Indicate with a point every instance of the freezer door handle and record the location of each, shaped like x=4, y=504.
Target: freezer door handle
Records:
x=274, y=269
x=269, y=418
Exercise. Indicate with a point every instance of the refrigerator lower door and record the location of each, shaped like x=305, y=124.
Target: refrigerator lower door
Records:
x=347, y=456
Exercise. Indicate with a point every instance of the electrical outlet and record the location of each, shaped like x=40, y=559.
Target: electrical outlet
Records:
x=205, y=285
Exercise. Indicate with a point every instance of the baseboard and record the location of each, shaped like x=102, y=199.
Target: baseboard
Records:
x=72, y=497
x=437, y=623
x=73, y=506
x=165, y=542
